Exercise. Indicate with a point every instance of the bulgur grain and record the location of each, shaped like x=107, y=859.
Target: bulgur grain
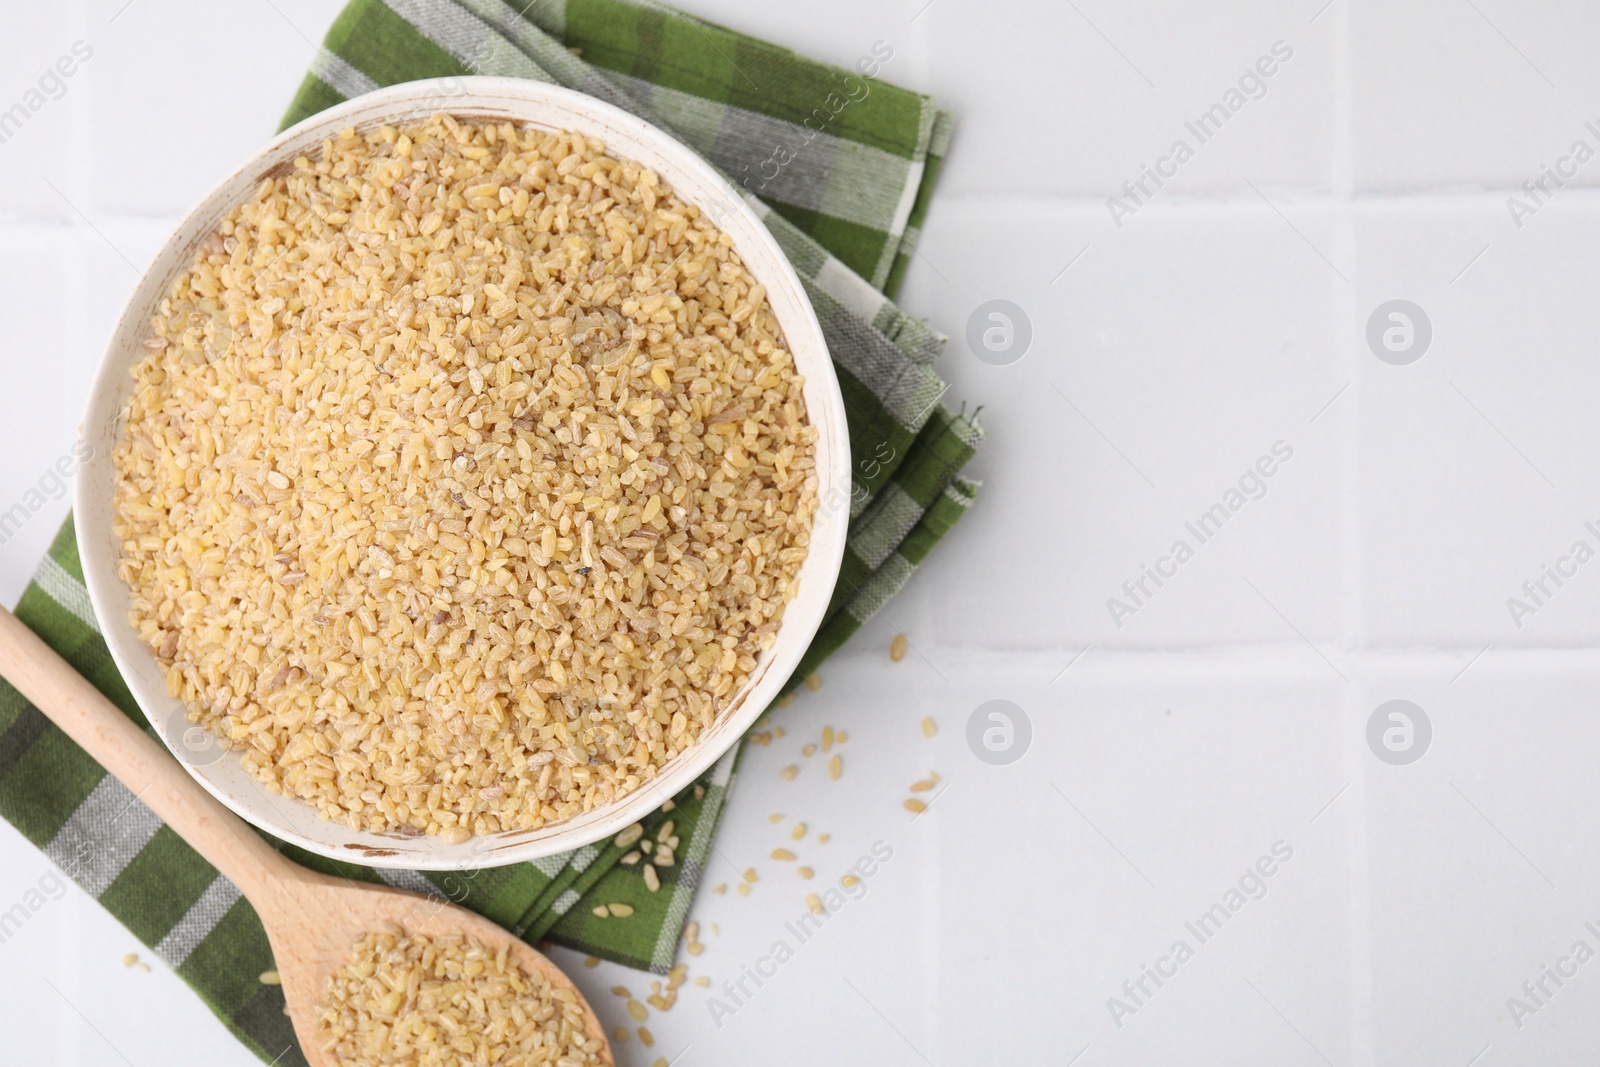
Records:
x=396, y=994
x=421, y=497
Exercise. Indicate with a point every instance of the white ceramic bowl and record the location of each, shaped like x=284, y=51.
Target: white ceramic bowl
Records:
x=625, y=136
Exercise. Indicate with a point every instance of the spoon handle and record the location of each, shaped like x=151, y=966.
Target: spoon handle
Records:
x=137, y=760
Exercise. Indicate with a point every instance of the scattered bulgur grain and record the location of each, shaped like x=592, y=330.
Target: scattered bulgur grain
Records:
x=744, y=889
x=789, y=772
x=621, y=991
x=823, y=839
x=849, y=880
x=703, y=981
x=628, y=836
x=913, y=804
x=840, y=738
x=813, y=681
x=270, y=978
x=814, y=902
x=808, y=751
x=620, y=1034
x=835, y=766
x=774, y=818
x=720, y=888
x=425, y=484
x=827, y=738
x=130, y=959
x=622, y=911
x=591, y=962
x=786, y=701
x=716, y=931
x=652, y=880
x=897, y=648
x=782, y=854
x=804, y=872
x=798, y=832
x=929, y=727
x=602, y=911
x=638, y=1011
x=923, y=786
x=695, y=947
x=646, y=1036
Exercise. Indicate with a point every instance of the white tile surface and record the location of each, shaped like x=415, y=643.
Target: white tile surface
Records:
x=1230, y=711
x=43, y=140
x=1106, y=88
x=1466, y=95
x=1103, y=441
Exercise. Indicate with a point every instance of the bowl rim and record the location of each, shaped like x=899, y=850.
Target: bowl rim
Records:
x=480, y=97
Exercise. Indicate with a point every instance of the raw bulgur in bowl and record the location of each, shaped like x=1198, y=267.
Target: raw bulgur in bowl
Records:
x=461, y=479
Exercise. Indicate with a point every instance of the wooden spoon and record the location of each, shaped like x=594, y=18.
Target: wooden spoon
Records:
x=312, y=920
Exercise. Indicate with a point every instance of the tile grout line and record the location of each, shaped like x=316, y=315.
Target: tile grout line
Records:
x=1346, y=313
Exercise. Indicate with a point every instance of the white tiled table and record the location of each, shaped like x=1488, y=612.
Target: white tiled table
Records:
x=1228, y=713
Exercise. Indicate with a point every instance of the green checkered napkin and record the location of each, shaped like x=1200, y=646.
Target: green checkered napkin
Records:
x=845, y=204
